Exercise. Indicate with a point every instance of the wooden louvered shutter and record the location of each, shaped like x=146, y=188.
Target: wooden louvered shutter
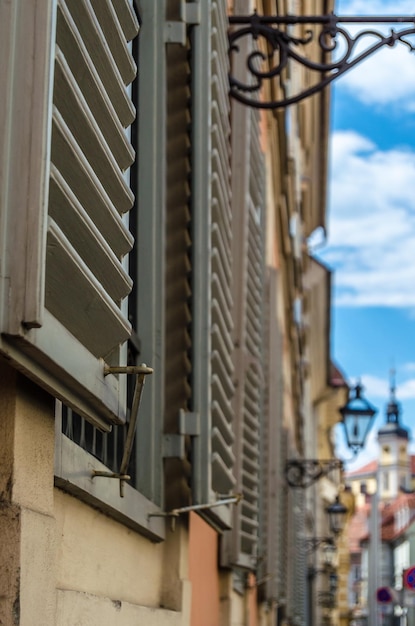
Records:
x=178, y=315
x=73, y=318
x=213, y=368
x=272, y=484
x=221, y=276
x=283, y=522
x=248, y=289
x=296, y=592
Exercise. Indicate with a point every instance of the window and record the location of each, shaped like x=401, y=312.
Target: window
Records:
x=80, y=446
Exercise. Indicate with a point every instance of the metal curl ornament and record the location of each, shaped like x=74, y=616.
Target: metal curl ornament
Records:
x=283, y=48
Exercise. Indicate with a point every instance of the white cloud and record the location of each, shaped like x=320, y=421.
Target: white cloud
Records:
x=408, y=367
x=374, y=7
x=371, y=232
x=386, y=78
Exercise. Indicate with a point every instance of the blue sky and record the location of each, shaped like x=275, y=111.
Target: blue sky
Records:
x=371, y=227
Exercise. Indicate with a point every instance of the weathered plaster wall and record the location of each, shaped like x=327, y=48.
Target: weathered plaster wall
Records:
x=27, y=524
x=63, y=563
x=99, y=556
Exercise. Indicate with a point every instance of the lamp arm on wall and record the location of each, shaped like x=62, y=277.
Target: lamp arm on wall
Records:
x=273, y=49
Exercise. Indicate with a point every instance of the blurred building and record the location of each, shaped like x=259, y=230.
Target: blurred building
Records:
x=385, y=538
x=154, y=230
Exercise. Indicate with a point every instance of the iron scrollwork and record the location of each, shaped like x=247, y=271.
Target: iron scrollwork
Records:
x=313, y=543
x=303, y=473
x=337, y=47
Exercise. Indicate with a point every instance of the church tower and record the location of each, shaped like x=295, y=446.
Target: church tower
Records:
x=394, y=460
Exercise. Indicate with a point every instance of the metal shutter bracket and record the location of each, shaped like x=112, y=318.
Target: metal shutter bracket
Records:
x=222, y=500
x=174, y=444
x=140, y=372
x=175, y=32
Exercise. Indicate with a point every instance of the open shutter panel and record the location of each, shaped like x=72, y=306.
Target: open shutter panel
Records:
x=273, y=444
x=178, y=288
x=87, y=234
x=85, y=279
x=297, y=579
x=221, y=277
x=247, y=523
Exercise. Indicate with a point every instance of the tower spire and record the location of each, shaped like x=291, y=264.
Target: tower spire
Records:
x=392, y=378
x=392, y=411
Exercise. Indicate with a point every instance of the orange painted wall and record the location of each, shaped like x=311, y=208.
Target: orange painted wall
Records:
x=203, y=573
x=252, y=601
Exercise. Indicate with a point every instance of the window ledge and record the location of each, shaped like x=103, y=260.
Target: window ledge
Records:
x=73, y=473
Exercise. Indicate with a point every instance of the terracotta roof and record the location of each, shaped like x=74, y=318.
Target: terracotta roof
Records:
x=369, y=468
x=372, y=466
x=337, y=378
x=388, y=528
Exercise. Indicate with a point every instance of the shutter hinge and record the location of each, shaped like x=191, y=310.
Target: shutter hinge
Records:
x=174, y=444
x=190, y=12
x=175, y=32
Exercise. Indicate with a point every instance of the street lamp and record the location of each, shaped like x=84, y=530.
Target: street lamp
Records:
x=336, y=513
x=357, y=419
x=337, y=516
x=329, y=554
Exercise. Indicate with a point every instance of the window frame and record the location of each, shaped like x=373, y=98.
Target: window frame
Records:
x=73, y=474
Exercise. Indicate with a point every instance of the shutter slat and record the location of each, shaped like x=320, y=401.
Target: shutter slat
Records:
x=223, y=370
x=77, y=226
x=73, y=107
x=220, y=344
x=115, y=38
x=127, y=18
x=222, y=421
x=90, y=83
x=92, y=35
x=221, y=446
x=222, y=476
x=221, y=299
x=248, y=480
x=219, y=394
x=77, y=299
x=221, y=318
x=251, y=449
x=220, y=259
x=71, y=162
x=251, y=495
x=249, y=514
x=220, y=191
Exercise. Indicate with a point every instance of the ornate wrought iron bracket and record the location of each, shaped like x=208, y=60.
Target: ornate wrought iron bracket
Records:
x=305, y=472
x=327, y=599
x=273, y=46
x=313, y=543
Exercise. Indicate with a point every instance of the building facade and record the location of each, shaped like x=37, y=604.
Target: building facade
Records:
x=164, y=329
x=381, y=529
